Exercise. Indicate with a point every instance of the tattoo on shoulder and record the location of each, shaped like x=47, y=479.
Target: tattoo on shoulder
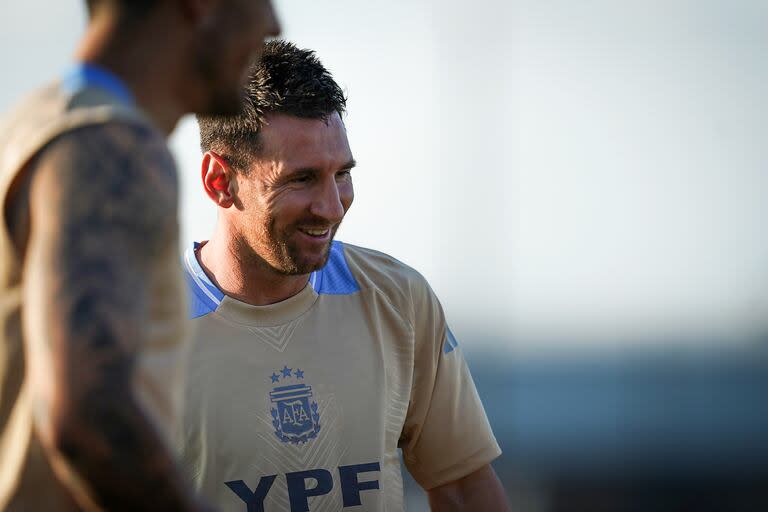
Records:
x=118, y=177
x=113, y=191
x=108, y=198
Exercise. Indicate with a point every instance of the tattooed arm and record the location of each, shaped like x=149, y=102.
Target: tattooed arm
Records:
x=102, y=204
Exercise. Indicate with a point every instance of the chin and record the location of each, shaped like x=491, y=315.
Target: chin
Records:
x=309, y=267
x=310, y=264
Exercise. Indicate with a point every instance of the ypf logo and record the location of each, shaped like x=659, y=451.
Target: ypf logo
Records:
x=295, y=414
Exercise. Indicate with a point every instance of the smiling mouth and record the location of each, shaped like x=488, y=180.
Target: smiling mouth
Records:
x=316, y=232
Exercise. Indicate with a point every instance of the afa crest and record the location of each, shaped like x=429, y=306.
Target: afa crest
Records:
x=295, y=414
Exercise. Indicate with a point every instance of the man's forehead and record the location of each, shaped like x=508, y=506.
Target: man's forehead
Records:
x=277, y=122
x=289, y=137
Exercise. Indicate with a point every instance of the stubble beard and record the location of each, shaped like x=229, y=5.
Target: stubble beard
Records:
x=289, y=257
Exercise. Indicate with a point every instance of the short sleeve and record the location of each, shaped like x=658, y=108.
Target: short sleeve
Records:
x=446, y=434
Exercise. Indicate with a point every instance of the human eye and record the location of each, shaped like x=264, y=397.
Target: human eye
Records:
x=301, y=178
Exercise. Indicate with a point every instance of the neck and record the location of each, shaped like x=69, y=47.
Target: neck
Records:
x=142, y=60
x=247, y=280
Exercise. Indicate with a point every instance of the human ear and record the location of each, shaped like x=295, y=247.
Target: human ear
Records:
x=218, y=179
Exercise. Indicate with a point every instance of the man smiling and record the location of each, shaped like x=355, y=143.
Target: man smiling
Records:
x=314, y=361
x=92, y=310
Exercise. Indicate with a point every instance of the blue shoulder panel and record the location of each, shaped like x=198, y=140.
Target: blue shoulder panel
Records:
x=334, y=278
x=82, y=75
x=450, y=341
x=204, y=297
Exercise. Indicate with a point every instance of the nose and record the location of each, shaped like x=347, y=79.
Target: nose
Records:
x=328, y=203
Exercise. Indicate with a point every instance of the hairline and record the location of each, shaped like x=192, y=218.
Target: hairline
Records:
x=255, y=146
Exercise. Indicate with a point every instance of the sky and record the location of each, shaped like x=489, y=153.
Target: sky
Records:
x=565, y=174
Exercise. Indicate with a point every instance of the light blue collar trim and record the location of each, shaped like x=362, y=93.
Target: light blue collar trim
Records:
x=82, y=75
x=200, y=278
x=335, y=278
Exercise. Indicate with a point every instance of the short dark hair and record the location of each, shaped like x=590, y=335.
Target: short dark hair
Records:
x=286, y=80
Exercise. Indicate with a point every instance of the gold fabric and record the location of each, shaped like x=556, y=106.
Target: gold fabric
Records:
x=27, y=482
x=374, y=360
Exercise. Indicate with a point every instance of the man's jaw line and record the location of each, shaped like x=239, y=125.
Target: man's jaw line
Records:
x=241, y=273
x=278, y=282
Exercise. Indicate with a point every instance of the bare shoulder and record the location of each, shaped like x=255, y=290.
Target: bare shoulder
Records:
x=106, y=181
x=102, y=207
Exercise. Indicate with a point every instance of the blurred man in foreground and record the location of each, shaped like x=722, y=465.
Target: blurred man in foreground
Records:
x=313, y=360
x=92, y=306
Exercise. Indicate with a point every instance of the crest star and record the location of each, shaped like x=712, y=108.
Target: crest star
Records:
x=287, y=371
x=275, y=377
x=299, y=373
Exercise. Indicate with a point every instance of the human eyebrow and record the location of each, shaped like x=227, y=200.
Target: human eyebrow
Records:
x=300, y=173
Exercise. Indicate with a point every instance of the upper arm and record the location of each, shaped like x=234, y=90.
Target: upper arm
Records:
x=446, y=433
x=101, y=203
x=480, y=490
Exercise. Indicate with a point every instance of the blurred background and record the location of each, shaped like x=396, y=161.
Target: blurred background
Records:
x=584, y=184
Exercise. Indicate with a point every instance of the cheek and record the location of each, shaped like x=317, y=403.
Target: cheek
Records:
x=256, y=208
x=287, y=208
x=251, y=24
x=346, y=195
x=237, y=48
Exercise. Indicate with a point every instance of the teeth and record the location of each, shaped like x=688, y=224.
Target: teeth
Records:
x=316, y=232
